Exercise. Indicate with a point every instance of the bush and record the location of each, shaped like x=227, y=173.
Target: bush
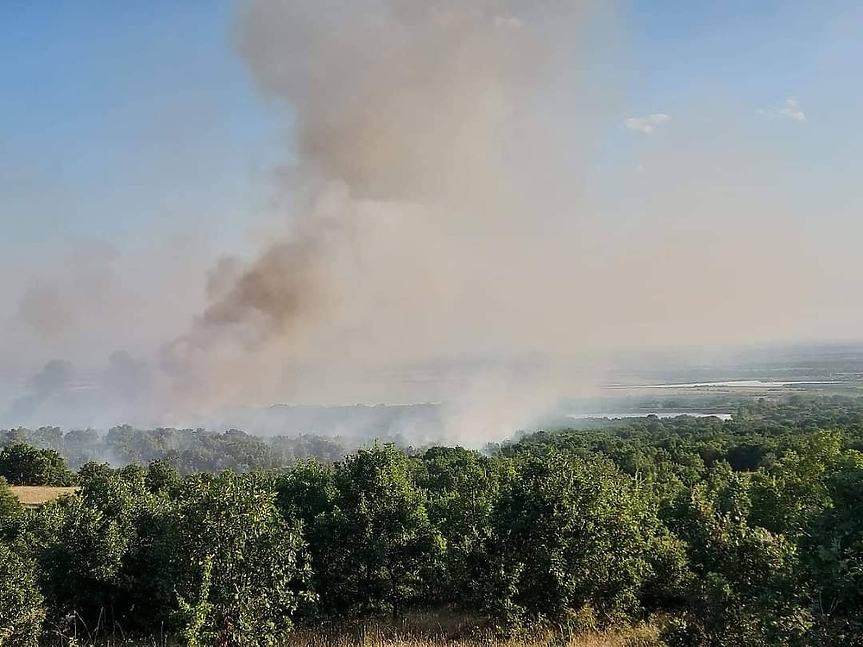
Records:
x=22, y=464
x=22, y=608
x=240, y=570
x=11, y=511
x=375, y=549
x=575, y=534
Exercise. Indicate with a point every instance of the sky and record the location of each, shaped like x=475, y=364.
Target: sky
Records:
x=120, y=120
x=125, y=121
x=137, y=146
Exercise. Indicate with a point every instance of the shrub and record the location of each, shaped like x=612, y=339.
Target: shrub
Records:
x=22, y=609
x=239, y=568
x=22, y=464
x=577, y=534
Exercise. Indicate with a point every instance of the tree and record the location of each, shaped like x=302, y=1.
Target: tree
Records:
x=575, y=537
x=22, y=608
x=22, y=464
x=463, y=490
x=306, y=492
x=79, y=550
x=832, y=552
x=375, y=549
x=744, y=589
x=227, y=533
x=11, y=511
x=82, y=543
x=789, y=495
x=162, y=478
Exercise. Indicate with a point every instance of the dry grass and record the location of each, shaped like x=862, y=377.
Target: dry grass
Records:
x=440, y=630
x=409, y=634
x=628, y=639
x=594, y=640
x=32, y=496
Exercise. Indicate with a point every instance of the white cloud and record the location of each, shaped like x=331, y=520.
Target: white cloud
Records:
x=646, y=124
x=789, y=110
x=507, y=22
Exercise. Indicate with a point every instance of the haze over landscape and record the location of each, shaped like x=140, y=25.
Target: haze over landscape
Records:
x=421, y=323
x=483, y=203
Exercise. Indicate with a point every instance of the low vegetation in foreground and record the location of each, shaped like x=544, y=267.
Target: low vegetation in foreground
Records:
x=641, y=532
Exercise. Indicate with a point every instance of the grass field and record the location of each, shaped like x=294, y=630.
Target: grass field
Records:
x=595, y=640
x=301, y=639
x=434, y=630
x=416, y=630
x=32, y=496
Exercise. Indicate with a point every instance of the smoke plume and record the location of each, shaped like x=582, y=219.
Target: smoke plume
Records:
x=443, y=159
x=471, y=217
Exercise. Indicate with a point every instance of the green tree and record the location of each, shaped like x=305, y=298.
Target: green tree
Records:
x=22, y=609
x=463, y=488
x=79, y=550
x=306, y=491
x=832, y=550
x=576, y=535
x=162, y=478
x=81, y=544
x=228, y=530
x=22, y=464
x=375, y=549
x=11, y=511
x=787, y=497
x=744, y=590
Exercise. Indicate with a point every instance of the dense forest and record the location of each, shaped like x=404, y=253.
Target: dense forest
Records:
x=188, y=450
x=739, y=532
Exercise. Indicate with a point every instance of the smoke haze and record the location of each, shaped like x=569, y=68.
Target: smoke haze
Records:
x=450, y=195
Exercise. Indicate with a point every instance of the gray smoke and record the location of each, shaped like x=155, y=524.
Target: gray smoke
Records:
x=443, y=154
x=451, y=195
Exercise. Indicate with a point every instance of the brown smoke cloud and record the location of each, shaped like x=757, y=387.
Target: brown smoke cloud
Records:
x=55, y=311
x=443, y=206
x=403, y=114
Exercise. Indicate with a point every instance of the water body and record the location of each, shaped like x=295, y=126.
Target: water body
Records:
x=729, y=384
x=644, y=414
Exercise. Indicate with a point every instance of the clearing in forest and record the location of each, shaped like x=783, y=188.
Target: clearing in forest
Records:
x=36, y=495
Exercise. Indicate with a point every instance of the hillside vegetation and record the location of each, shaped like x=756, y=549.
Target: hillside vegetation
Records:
x=744, y=532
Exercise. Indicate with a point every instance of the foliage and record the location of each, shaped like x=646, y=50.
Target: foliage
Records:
x=373, y=547
x=225, y=538
x=11, y=511
x=463, y=489
x=743, y=590
x=162, y=478
x=194, y=616
x=22, y=464
x=577, y=533
x=79, y=549
x=185, y=450
x=21, y=605
x=737, y=532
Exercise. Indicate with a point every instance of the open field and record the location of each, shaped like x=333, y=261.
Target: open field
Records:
x=312, y=638
x=31, y=496
x=587, y=641
x=442, y=629
x=596, y=640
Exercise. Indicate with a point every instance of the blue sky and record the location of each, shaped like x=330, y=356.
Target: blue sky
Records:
x=136, y=122
x=121, y=119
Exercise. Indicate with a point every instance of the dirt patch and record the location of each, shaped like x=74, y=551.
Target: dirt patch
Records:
x=32, y=496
